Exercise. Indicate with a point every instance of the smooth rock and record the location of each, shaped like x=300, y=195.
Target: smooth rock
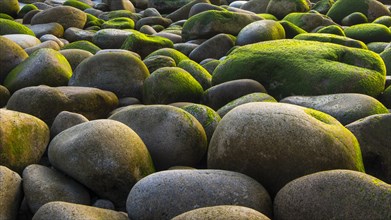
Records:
x=11, y=193
x=74, y=17
x=53, y=28
x=309, y=21
x=75, y=56
x=276, y=143
x=44, y=45
x=258, y=31
x=4, y=96
x=215, y=47
x=170, y=193
x=198, y=72
x=23, y=139
x=104, y=155
x=42, y=185
x=281, y=8
x=64, y=210
x=12, y=27
x=386, y=56
x=334, y=194
x=65, y=120
x=110, y=38
x=75, y=34
x=23, y=40
x=373, y=133
x=172, y=135
x=156, y=62
x=10, y=7
x=13, y=57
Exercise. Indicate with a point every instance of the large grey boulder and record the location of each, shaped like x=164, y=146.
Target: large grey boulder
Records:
x=104, y=155
x=276, y=143
x=170, y=193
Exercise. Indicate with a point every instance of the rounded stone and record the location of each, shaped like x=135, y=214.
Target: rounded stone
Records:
x=75, y=56
x=104, y=155
x=156, y=62
x=275, y=143
x=53, y=28
x=74, y=17
x=4, y=96
x=65, y=120
x=43, y=67
x=63, y=210
x=23, y=139
x=172, y=135
x=10, y=7
x=373, y=133
x=110, y=38
x=258, y=31
x=334, y=194
x=42, y=185
x=13, y=57
x=119, y=72
x=222, y=212
x=171, y=84
x=198, y=72
x=11, y=193
x=170, y=193
x=13, y=27
x=281, y=8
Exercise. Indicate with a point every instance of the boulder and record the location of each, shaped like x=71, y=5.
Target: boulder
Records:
x=334, y=194
x=23, y=139
x=104, y=155
x=23, y=40
x=373, y=133
x=171, y=84
x=369, y=32
x=345, y=107
x=286, y=69
x=170, y=52
x=110, y=38
x=215, y=47
x=332, y=38
x=156, y=62
x=11, y=56
x=65, y=120
x=75, y=56
x=119, y=72
x=82, y=45
x=210, y=23
x=11, y=193
x=65, y=210
x=42, y=185
x=258, y=31
x=281, y=8
x=170, y=193
x=275, y=143
x=74, y=17
x=10, y=7
x=221, y=212
x=91, y=102
x=13, y=27
x=53, y=28
x=172, y=135
x=308, y=21
x=198, y=72
x=44, y=67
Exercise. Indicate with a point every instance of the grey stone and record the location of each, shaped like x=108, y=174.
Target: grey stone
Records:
x=183, y=12
x=11, y=193
x=110, y=38
x=65, y=120
x=172, y=135
x=64, y=210
x=170, y=193
x=23, y=40
x=276, y=143
x=215, y=47
x=74, y=18
x=345, y=107
x=75, y=34
x=373, y=133
x=42, y=185
x=260, y=31
x=104, y=155
x=75, y=56
x=48, y=37
x=47, y=44
x=156, y=62
x=53, y=28
x=9, y=60
x=334, y=194
x=4, y=96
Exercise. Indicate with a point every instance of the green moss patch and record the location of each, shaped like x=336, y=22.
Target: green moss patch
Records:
x=12, y=27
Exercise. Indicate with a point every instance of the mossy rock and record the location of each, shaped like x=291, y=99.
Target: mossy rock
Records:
x=119, y=13
x=25, y=9
x=308, y=21
x=12, y=55
x=260, y=31
x=253, y=97
x=171, y=84
x=210, y=23
x=119, y=23
x=6, y=16
x=386, y=56
x=83, y=45
x=384, y=20
x=77, y=4
x=268, y=16
x=291, y=30
x=4, y=96
x=385, y=97
x=23, y=139
x=332, y=38
x=198, y=72
x=155, y=62
x=10, y=7
x=281, y=8
x=287, y=69
x=93, y=21
x=74, y=17
x=174, y=54
x=369, y=32
x=332, y=29
x=371, y=8
x=13, y=27
x=43, y=67
x=144, y=44
x=354, y=18
x=323, y=6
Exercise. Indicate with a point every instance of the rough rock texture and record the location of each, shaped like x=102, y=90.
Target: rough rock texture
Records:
x=11, y=193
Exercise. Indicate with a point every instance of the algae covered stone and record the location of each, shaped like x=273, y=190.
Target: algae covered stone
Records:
x=276, y=143
x=67, y=16
x=23, y=139
x=260, y=31
x=13, y=27
x=281, y=8
x=332, y=38
x=210, y=23
x=386, y=56
x=12, y=55
x=10, y=7
x=308, y=21
x=119, y=23
x=83, y=45
x=198, y=72
x=286, y=69
x=104, y=155
x=43, y=67
x=370, y=32
x=334, y=194
x=171, y=84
